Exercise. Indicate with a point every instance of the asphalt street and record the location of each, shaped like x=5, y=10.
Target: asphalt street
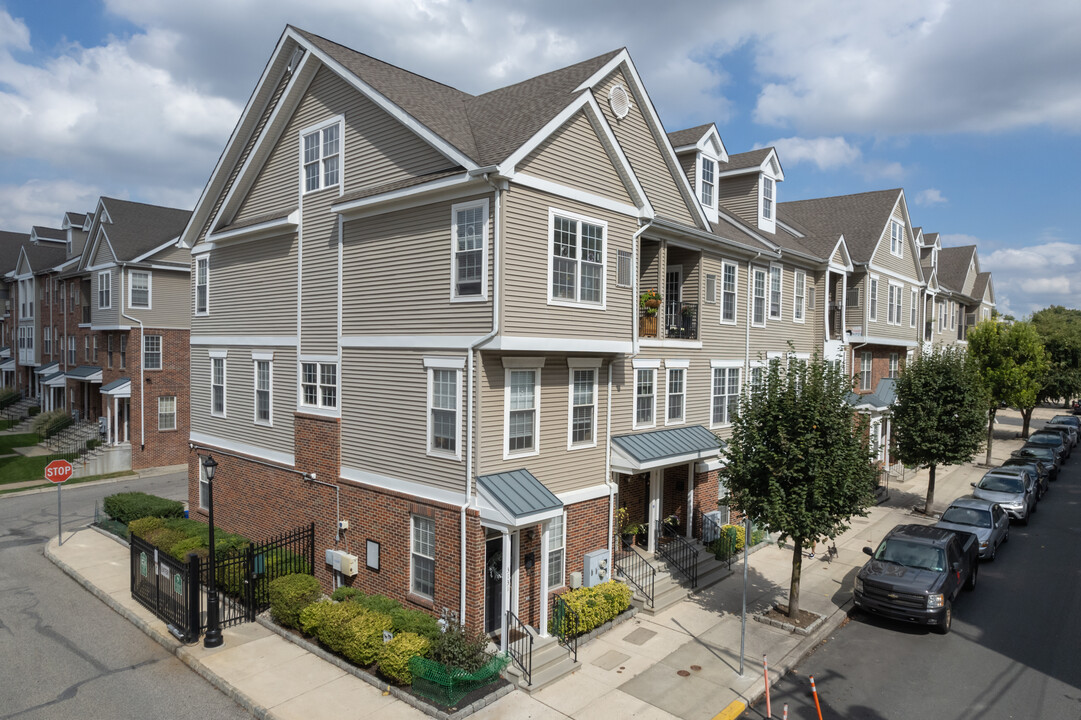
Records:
x=65, y=654
x=1012, y=652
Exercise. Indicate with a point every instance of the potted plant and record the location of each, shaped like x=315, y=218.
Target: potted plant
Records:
x=650, y=301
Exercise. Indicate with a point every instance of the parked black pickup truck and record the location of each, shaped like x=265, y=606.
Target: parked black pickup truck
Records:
x=916, y=574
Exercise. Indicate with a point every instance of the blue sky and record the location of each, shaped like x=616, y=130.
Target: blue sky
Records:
x=973, y=107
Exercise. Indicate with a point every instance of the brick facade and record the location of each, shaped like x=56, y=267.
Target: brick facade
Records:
x=880, y=364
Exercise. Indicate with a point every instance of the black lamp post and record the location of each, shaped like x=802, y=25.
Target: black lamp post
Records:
x=213, y=637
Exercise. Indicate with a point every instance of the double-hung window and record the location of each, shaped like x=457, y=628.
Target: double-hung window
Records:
x=95, y=346
x=865, y=370
x=758, y=376
x=708, y=197
x=557, y=540
x=894, y=361
x=167, y=413
x=799, y=303
x=645, y=393
x=422, y=553
x=893, y=308
x=582, y=423
x=105, y=290
x=767, y=198
x=322, y=157
x=758, y=301
x=139, y=289
x=72, y=356
x=47, y=345
x=470, y=243
x=729, y=276
x=872, y=300
x=897, y=238
x=913, y=311
x=576, y=259
x=123, y=351
x=152, y=352
x=204, y=488
x=675, y=391
x=202, y=285
x=263, y=370
x=319, y=384
x=522, y=380
x=953, y=315
x=775, y=292
x=444, y=397
x=217, y=383
x=725, y=394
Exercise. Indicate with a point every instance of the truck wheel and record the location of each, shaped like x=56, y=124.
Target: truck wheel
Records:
x=944, y=626
x=970, y=584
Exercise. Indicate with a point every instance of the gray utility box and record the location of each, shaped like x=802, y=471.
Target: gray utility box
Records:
x=595, y=567
x=711, y=531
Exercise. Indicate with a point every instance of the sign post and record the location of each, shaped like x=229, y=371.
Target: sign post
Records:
x=58, y=472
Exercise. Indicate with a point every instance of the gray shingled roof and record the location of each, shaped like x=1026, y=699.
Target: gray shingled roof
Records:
x=690, y=136
x=44, y=257
x=980, y=288
x=138, y=228
x=743, y=161
x=519, y=492
x=398, y=185
x=50, y=233
x=660, y=444
x=953, y=266
x=930, y=238
x=860, y=218
x=280, y=214
x=10, y=242
x=47, y=368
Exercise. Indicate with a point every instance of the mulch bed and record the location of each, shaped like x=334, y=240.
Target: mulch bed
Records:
x=804, y=618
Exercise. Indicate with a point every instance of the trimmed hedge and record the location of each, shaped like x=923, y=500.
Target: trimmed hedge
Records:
x=129, y=506
x=595, y=606
x=395, y=655
x=345, y=592
x=49, y=423
x=290, y=595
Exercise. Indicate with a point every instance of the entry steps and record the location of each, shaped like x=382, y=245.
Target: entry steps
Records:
x=672, y=586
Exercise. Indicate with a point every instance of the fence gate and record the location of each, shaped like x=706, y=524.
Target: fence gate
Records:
x=163, y=585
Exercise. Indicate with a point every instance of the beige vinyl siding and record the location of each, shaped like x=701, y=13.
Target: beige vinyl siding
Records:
x=172, y=254
x=110, y=316
x=385, y=418
x=169, y=293
x=881, y=327
x=784, y=335
x=573, y=155
x=908, y=264
x=525, y=281
x=253, y=289
x=560, y=469
x=377, y=148
x=319, y=277
x=641, y=147
x=239, y=424
x=103, y=254
x=398, y=271
x=739, y=196
x=838, y=256
x=689, y=162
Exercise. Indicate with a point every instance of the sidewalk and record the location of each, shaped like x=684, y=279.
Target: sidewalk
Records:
x=682, y=663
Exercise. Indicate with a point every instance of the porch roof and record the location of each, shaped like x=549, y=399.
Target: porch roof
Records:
x=659, y=448
x=86, y=373
x=8, y=364
x=47, y=369
x=5, y=352
x=518, y=498
x=881, y=399
x=120, y=387
x=57, y=379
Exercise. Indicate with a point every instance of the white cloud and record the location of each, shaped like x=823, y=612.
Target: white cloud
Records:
x=39, y=202
x=1035, y=276
x=827, y=153
x=928, y=197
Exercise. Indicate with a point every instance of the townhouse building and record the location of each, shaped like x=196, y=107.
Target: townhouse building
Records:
x=962, y=296
x=10, y=246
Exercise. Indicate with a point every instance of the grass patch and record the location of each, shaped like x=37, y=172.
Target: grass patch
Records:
x=7, y=424
x=20, y=469
x=9, y=442
x=69, y=483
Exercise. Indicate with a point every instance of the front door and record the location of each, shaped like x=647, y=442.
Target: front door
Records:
x=493, y=584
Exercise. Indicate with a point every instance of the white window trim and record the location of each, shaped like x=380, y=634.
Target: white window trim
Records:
x=256, y=358
x=338, y=120
x=894, y=367
x=509, y=365
x=454, y=210
x=872, y=299
x=765, y=297
x=914, y=311
x=899, y=290
x=108, y=275
x=552, y=213
x=149, y=290
x=573, y=364
x=865, y=377
x=202, y=482
x=457, y=364
x=900, y=252
x=222, y=355
x=669, y=365
x=160, y=428
x=780, y=292
x=202, y=260
x=320, y=408
x=653, y=366
x=413, y=551
x=799, y=304
x=723, y=364
x=161, y=353
x=767, y=223
x=702, y=159
x=547, y=552
x=735, y=293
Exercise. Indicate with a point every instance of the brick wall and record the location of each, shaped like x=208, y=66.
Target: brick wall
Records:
x=633, y=495
x=587, y=529
x=674, y=498
x=706, y=486
x=151, y=447
x=880, y=364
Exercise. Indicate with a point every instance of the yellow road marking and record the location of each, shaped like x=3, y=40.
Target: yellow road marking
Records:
x=733, y=711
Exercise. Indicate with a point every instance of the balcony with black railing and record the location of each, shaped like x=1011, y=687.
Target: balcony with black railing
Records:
x=681, y=321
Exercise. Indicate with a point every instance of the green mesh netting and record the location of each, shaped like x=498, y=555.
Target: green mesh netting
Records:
x=447, y=686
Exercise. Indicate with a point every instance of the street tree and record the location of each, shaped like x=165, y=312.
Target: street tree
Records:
x=799, y=459
x=1012, y=363
x=939, y=414
x=1060, y=330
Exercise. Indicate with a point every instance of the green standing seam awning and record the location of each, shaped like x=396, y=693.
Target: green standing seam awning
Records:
x=85, y=373
x=660, y=448
x=518, y=498
x=880, y=400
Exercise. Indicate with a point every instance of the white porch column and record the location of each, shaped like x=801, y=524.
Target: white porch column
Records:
x=690, y=501
x=656, y=492
x=108, y=423
x=127, y=417
x=544, y=576
x=504, y=628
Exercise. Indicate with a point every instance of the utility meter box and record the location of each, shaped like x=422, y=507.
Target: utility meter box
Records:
x=334, y=559
x=595, y=567
x=349, y=564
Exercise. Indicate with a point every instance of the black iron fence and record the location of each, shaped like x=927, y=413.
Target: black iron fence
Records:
x=631, y=566
x=678, y=551
x=520, y=646
x=681, y=321
x=163, y=585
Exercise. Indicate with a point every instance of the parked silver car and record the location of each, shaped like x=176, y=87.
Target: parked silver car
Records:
x=1016, y=494
x=983, y=518
x=1068, y=431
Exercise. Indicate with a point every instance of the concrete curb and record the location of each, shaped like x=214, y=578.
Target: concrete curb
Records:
x=49, y=488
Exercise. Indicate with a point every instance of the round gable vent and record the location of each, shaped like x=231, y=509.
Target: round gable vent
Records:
x=619, y=100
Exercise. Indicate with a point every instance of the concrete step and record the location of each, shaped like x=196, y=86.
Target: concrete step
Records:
x=551, y=661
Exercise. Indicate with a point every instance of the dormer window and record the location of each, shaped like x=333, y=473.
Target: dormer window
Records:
x=767, y=197
x=897, y=238
x=708, y=195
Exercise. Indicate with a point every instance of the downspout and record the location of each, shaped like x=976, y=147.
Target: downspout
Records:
x=142, y=364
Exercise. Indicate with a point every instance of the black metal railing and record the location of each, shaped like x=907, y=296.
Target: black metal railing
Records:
x=520, y=646
x=633, y=567
x=163, y=585
x=680, y=553
x=681, y=321
x=721, y=540
x=567, y=625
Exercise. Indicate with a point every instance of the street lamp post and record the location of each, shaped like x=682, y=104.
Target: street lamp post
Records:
x=213, y=637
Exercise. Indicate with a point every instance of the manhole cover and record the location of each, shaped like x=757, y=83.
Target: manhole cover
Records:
x=696, y=668
x=683, y=673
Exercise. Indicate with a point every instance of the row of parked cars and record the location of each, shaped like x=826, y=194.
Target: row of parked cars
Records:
x=917, y=571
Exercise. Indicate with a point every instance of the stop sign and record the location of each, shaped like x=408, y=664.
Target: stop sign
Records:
x=58, y=471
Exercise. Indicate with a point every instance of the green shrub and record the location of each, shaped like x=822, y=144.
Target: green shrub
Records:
x=9, y=396
x=333, y=630
x=290, y=595
x=394, y=656
x=33, y=411
x=364, y=636
x=143, y=526
x=47, y=424
x=460, y=648
x=165, y=539
x=129, y=506
x=311, y=617
x=415, y=621
x=378, y=603
x=594, y=606
x=345, y=593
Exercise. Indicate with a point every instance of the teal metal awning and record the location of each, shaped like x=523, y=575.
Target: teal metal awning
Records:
x=85, y=373
x=879, y=401
x=118, y=388
x=516, y=499
x=8, y=364
x=47, y=369
x=661, y=448
x=57, y=379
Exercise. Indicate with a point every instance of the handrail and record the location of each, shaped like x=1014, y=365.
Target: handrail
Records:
x=636, y=570
x=520, y=648
x=721, y=543
x=675, y=549
x=567, y=624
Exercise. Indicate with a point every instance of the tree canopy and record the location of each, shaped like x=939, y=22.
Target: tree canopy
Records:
x=799, y=459
x=940, y=411
x=1060, y=330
